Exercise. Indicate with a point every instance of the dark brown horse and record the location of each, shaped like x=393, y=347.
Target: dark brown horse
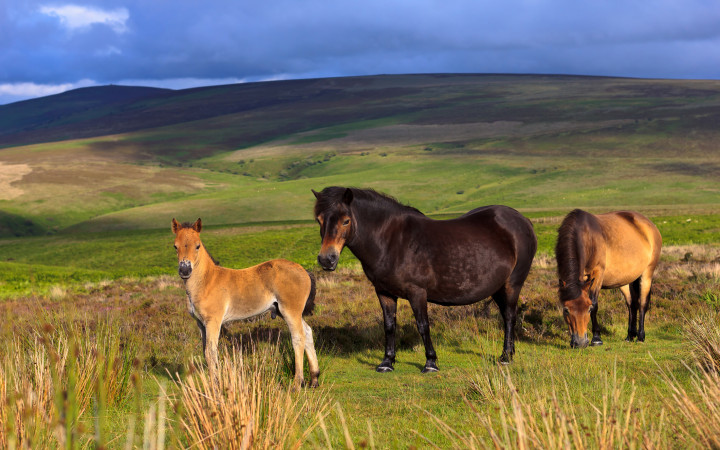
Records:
x=614, y=250
x=486, y=252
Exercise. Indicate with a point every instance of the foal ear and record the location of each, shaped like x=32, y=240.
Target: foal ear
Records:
x=197, y=226
x=175, y=226
x=316, y=194
x=348, y=196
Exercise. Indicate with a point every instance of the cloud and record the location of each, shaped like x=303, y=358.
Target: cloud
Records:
x=12, y=92
x=76, y=18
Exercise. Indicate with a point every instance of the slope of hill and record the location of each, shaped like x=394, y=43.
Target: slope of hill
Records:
x=446, y=143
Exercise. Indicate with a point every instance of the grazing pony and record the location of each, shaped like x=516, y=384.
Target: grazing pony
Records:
x=217, y=295
x=605, y=251
x=486, y=252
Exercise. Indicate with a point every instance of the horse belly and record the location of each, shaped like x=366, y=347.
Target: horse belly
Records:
x=620, y=271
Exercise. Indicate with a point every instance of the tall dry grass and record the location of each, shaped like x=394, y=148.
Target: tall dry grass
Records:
x=248, y=405
x=552, y=420
x=702, y=331
x=54, y=379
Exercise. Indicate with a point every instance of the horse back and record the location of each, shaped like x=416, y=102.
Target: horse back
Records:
x=632, y=243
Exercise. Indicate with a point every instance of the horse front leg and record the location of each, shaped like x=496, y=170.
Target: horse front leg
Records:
x=594, y=295
x=418, y=303
x=389, y=308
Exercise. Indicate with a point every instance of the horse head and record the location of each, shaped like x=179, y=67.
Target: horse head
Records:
x=332, y=212
x=576, y=311
x=187, y=246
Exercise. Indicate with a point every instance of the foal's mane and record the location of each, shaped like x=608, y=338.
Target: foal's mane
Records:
x=190, y=226
x=567, y=252
x=334, y=194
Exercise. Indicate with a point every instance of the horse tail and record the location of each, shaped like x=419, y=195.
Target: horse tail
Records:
x=310, y=302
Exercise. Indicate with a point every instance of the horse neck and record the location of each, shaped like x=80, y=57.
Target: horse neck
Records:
x=202, y=270
x=371, y=220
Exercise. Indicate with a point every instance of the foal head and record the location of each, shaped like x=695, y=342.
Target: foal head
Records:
x=577, y=307
x=332, y=212
x=187, y=245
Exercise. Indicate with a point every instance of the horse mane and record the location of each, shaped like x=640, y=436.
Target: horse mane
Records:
x=334, y=194
x=190, y=225
x=568, y=258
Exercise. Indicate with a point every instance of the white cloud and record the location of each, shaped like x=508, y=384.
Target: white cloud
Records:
x=10, y=92
x=76, y=17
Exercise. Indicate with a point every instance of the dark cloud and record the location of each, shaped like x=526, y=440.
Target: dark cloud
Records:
x=229, y=39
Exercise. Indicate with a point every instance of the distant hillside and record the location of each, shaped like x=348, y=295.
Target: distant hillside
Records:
x=223, y=118
x=121, y=158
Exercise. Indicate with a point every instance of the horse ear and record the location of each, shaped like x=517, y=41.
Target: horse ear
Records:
x=563, y=284
x=197, y=226
x=175, y=226
x=588, y=283
x=316, y=194
x=348, y=196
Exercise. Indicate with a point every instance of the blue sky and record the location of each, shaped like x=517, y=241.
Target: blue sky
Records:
x=49, y=46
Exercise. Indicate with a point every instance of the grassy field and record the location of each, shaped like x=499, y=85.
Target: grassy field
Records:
x=98, y=348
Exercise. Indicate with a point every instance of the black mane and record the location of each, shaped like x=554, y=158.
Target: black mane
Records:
x=332, y=195
x=569, y=260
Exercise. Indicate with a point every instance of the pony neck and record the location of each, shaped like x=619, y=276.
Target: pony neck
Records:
x=371, y=219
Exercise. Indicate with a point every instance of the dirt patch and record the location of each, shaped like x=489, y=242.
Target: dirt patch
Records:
x=10, y=173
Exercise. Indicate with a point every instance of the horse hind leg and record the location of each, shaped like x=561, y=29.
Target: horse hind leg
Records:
x=631, y=294
x=297, y=336
x=506, y=300
x=311, y=355
x=644, y=284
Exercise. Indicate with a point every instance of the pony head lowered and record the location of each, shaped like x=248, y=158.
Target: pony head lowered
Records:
x=187, y=245
x=574, y=292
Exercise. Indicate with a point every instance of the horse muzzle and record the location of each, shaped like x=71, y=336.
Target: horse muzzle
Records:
x=328, y=261
x=184, y=269
x=579, y=342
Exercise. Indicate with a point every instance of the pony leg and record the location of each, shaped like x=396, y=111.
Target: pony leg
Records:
x=508, y=310
x=311, y=355
x=389, y=309
x=645, y=282
x=203, y=335
x=628, y=292
x=212, y=335
x=418, y=303
x=594, y=295
x=297, y=336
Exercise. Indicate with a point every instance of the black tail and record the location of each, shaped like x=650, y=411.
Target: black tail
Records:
x=310, y=303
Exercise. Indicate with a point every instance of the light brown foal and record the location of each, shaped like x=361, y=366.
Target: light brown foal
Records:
x=217, y=295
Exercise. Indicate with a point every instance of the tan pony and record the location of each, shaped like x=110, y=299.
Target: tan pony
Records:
x=614, y=250
x=217, y=295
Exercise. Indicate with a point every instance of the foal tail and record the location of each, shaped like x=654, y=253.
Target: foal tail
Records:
x=310, y=302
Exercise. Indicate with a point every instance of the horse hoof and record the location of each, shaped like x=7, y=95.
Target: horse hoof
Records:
x=596, y=342
x=505, y=359
x=429, y=368
x=384, y=369
x=314, y=384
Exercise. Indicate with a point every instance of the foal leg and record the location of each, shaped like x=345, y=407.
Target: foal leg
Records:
x=297, y=335
x=645, y=282
x=418, y=303
x=202, y=333
x=212, y=335
x=389, y=309
x=312, y=356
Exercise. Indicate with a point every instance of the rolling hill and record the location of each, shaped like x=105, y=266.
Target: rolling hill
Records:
x=117, y=158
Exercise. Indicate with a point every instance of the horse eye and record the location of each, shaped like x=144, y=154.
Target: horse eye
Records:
x=566, y=311
x=175, y=246
x=346, y=223
x=197, y=247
